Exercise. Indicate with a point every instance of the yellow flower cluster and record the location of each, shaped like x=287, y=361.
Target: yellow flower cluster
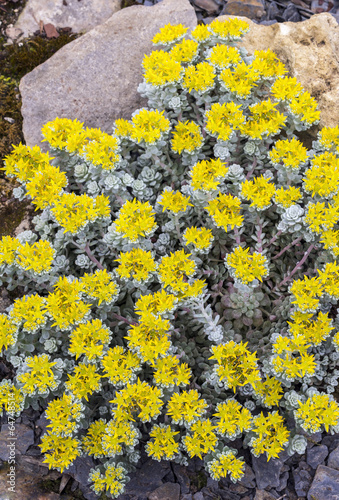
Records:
x=272, y=435
x=148, y=126
x=226, y=463
x=100, y=286
x=174, y=202
x=37, y=258
x=240, y=80
x=150, y=337
x=201, y=238
x=137, y=264
x=200, y=439
x=84, y=381
x=60, y=451
x=329, y=138
x=232, y=419
x=304, y=107
x=292, y=359
x=223, y=56
x=118, y=435
x=322, y=178
x=29, y=312
x=290, y=154
x=207, y=174
x=157, y=303
x=187, y=138
x=112, y=482
x=318, y=412
x=185, y=52
x=236, y=365
x=285, y=89
x=306, y=292
x=120, y=366
x=11, y=398
x=169, y=34
x=267, y=65
x=264, y=120
x=259, y=191
x=64, y=414
x=169, y=372
x=200, y=78
x=89, y=339
x=284, y=198
x=245, y=267
x=135, y=220
x=320, y=217
x=225, y=211
x=223, y=119
x=229, y=30
x=173, y=270
x=24, y=162
x=268, y=392
x=186, y=407
x=40, y=378
x=162, y=445
x=8, y=332
x=161, y=69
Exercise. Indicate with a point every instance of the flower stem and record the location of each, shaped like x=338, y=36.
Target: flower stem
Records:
x=297, y=267
x=91, y=256
x=295, y=242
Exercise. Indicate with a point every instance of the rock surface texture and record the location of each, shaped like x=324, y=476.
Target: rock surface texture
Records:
x=95, y=77
x=310, y=51
x=80, y=16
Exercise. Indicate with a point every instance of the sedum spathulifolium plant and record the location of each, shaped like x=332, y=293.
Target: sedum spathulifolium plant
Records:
x=179, y=290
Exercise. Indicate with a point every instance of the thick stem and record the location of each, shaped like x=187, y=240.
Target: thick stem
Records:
x=297, y=267
x=254, y=164
x=295, y=242
x=237, y=236
x=93, y=259
x=273, y=239
x=125, y=320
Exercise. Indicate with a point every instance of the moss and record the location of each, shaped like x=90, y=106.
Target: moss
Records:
x=10, y=105
x=21, y=58
x=128, y=3
x=198, y=480
x=11, y=215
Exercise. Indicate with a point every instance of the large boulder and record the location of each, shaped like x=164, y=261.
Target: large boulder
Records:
x=80, y=16
x=310, y=51
x=95, y=77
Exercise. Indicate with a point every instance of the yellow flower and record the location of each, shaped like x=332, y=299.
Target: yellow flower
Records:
x=201, y=238
x=84, y=382
x=149, y=126
x=289, y=154
x=37, y=257
x=272, y=435
x=259, y=191
x=8, y=332
x=329, y=137
x=317, y=412
x=100, y=286
x=225, y=211
x=169, y=34
x=89, y=339
x=319, y=217
x=201, y=439
x=102, y=151
x=284, y=89
x=329, y=278
x=56, y=132
x=236, y=366
x=174, y=268
x=222, y=119
x=232, y=419
x=157, y=303
x=120, y=366
x=11, y=398
x=186, y=407
x=265, y=120
x=122, y=128
x=135, y=220
x=201, y=33
x=8, y=249
x=269, y=392
x=292, y=359
x=46, y=186
x=330, y=239
x=245, y=267
x=322, y=178
x=73, y=212
x=199, y=78
x=29, y=312
x=162, y=444
x=306, y=292
x=161, y=69
x=137, y=264
x=40, y=378
x=240, y=80
x=24, y=162
x=185, y=52
x=229, y=30
x=137, y=400
x=64, y=414
x=207, y=174
x=313, y=332
x=175, y=202
x=113, y=481
x=284, y=198
x=169, y=372
x=92, y=442
x=187, y=137
x=118, y=434
x=150, y=338
x=267, y=65
x=61, y=451
x=223, y=56
x=226, y=463
x=304, y=107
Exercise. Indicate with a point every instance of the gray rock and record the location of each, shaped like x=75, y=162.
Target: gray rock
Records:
x=79, y=470
x=331, y=442
x=333, y=459
x=267, y=472
x=198, y=496
x=147, y=479
x=210, y=6
x=317, y=455
x=263, y=495
x=248, y=479
x=325, y=484
x=283, y=481
x=16, y=441
x=188, y=496
x=182, y=477
x=80, y=16
x=95, y=77
x=168, y=491
x=302, y=481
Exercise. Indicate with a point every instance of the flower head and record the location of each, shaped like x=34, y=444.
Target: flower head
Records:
x=148, y=126
x=245, y=267
x=225, y=211
x=222, y=119
x=187, y=138
x=135, y=220
x=200, y=78
x=137, y=264
x=207, y=174
x=174, y=202
x=161, y=69
x=169, y=34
